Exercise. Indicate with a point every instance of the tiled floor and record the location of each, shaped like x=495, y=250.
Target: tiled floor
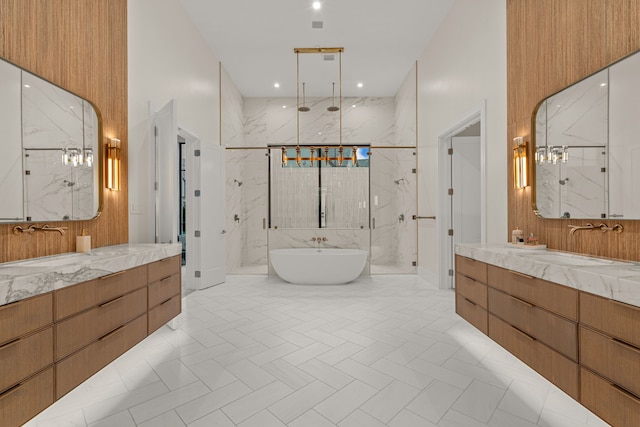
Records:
x=383, y=351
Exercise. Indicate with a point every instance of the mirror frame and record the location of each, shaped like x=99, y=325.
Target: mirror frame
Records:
x=532, y=147
x=101, y=154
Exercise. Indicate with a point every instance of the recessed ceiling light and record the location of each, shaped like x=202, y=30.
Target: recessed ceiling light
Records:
x=603, y=84
x=276, y=85
x=284, y=106
x=316, y=5
x=360, y=84
x=27, y=86
x=354, y=106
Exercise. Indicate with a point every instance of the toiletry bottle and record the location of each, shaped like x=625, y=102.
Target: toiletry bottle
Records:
x=532, y=240
x=516, y=235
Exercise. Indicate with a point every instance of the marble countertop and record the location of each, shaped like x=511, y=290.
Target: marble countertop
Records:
x=617, y=280
x=26, y=278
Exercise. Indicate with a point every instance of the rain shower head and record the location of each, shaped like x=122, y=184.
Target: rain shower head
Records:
x=237, y=182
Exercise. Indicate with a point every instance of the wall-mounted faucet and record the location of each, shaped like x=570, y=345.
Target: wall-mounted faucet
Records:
x=401, y=218
x=398, y=181
x=236, y=218
x=237, y=182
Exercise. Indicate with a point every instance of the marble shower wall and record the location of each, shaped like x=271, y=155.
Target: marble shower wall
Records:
x=272, y=121
x=393, y=202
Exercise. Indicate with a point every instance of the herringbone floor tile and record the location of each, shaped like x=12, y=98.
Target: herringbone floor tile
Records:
x=255, y=351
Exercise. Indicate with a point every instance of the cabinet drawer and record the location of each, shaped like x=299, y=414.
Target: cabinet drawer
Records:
x=472, y=290
x=555, y=367
x=550, y=296
x=81, y=365
x=76, y=332
x=23, y=357
x=614, y=405
x=611, y=317
x=164, y=312
x=615, y=360
x=471, y=312
x=557, y=332
x=164, y=289
x=23, y=402
x=476, y=270
x=164, y=268
x=76, y=298
x=22, y=317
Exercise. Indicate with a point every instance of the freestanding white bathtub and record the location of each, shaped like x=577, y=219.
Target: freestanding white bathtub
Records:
x=318, y=266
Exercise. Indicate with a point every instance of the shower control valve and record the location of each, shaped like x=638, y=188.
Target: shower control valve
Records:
x=313, y=239
x=324, y=239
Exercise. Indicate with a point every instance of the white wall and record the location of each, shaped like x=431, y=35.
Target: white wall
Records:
x=463, y=65
x=168, y=59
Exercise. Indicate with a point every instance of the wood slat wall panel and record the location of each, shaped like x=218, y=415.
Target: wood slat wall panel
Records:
x=550, y=45
x=80, y=45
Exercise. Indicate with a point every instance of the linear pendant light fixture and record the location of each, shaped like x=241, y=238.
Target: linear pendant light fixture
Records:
x=333, y=108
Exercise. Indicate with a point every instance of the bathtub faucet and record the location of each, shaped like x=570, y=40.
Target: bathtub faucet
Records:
x=319, y=239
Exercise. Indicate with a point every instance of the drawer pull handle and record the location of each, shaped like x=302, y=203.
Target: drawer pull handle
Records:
x=9, y=344
x=164, y=302
x=470, y=302
x=10, y=391
x=626, y=393
x=108, y=276
x=517, y=273
x=521, y=301
x=108, y=303
x=166, y=278
x=524, y=334
x=625, y=345
x=115, y=331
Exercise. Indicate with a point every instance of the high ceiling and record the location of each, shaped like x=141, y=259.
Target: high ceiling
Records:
x=254, y=40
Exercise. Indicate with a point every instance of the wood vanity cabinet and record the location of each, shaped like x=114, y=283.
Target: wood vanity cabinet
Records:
x=26, y=359
x=534, y=319
x=471, y=291
x=165, y=300
x=51, y=343
x=610, y=359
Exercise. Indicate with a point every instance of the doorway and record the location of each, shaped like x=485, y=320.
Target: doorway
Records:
x=462, y=191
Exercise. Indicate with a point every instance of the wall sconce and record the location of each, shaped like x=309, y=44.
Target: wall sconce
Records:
x=113, y=164
x=519, y=163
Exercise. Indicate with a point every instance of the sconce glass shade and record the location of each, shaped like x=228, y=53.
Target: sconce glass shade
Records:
x=113, y=164
x=520, y=180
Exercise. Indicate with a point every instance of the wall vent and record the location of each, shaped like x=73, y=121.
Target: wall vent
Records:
x=317, y=24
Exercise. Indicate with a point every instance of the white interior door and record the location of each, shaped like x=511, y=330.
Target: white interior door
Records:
x=466, y=194
x=206, y=249
x=167, y=173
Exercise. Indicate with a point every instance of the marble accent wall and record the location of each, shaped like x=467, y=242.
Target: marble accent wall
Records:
x=272, y=121
x=11, y=160
x=231, y=112
x=301, y=238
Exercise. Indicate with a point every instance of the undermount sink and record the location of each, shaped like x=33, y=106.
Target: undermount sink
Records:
x=49, y=261
x=571, y=259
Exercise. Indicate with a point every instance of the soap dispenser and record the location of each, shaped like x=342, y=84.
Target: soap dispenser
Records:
x=83, y=242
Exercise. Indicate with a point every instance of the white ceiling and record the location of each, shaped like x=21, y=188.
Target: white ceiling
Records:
x=254, y=40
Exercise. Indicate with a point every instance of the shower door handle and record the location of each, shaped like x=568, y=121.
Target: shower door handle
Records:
x=373, y=223
x=264, y=223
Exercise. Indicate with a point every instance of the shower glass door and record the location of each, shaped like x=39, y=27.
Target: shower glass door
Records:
x=319, y=191
x=393, y=203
